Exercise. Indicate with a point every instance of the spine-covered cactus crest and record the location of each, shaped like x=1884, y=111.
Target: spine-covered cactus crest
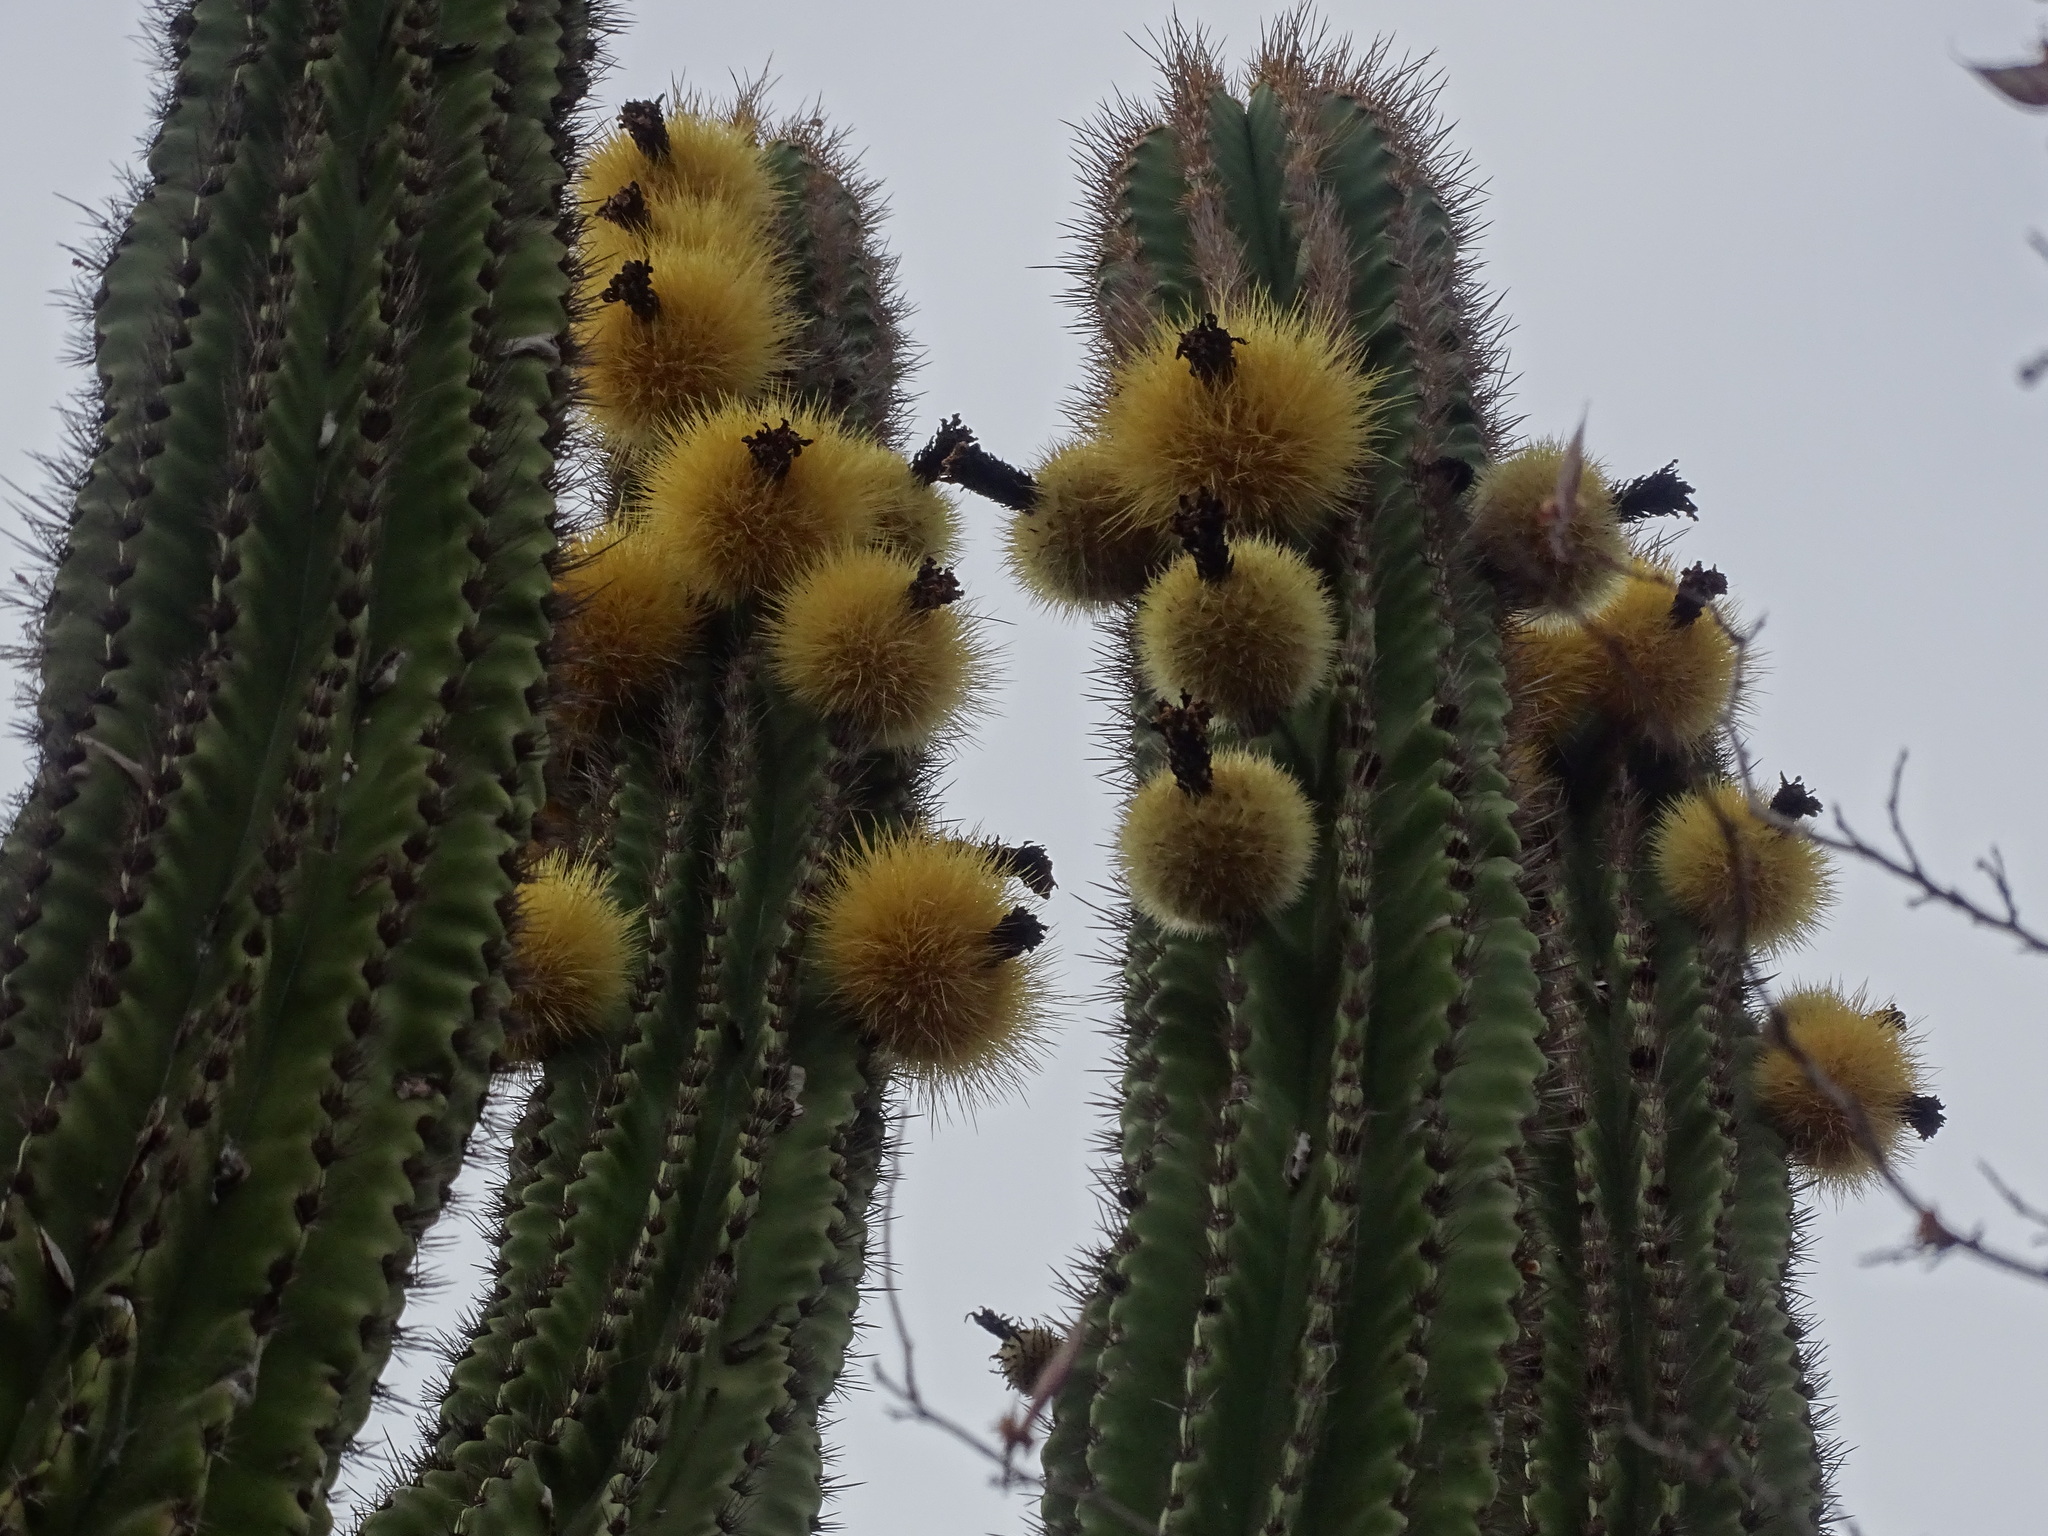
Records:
x=1458, y=1143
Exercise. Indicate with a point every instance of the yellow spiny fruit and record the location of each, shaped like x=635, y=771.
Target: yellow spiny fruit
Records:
x=1866, y=1052
x=1554, y=672
x=869, y=638
x=1200, y=863
x=1667, y=666
x=632, y=617
x=1024, y=1351
x=1738, y=873
x=572, y=947
x=751, y=495
x=1266, y=410
x=686, y=326
x=720, y=228
x=678, y=157
x=1252, y=645
x=1082, y=545
x=1538, y=556
x=914, y=517
x=918, y=936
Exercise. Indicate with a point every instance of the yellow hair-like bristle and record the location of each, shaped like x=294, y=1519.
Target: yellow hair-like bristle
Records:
x=1280, y=441
x=1204, y=863
x=914, y=518
x=1669, y=681
x=632, y=617
x=1252, y=646
x=738, y=529
x=698, y=224
x=1738, y=873
x=572, y=949
x=848, y=641
x=722, y=325
x=1554, y=672
x=906, y=936
x=708, y=160
x=1538, y=557
x=1868, y=1053
x=1082, y=546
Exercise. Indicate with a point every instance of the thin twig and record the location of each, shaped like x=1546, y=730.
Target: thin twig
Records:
x=1906, y=864
x=1014, y=1432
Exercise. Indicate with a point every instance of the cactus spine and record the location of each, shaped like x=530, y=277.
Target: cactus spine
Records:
x=1447, y=1202
x=685, y=1222
x=289, y=657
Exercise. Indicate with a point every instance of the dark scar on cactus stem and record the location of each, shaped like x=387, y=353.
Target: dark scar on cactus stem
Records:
x=1924, y=1113
x=626, y=208
x=956, y=458
x=645, y=125
x=1210, y=351
x=1661, y=493
x=1794, y=800
x=1186, y=729
x=1017, y=933
x=1029, y=862
x=633, y=286
x=1454, y=472
x=774, y=449
x=1698, y=585
x=933, y=587
x=1200, y=525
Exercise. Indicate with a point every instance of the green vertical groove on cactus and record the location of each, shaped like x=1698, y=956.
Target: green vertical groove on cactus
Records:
x=291, y=1011
x=1247, y=143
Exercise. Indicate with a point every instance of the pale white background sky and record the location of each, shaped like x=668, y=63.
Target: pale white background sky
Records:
x=1780, y=240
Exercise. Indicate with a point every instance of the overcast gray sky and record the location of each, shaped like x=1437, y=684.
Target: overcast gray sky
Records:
x=1782, y=241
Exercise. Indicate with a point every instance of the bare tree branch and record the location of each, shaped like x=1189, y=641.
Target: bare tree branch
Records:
x=2001, y=914
x=1014, y=1432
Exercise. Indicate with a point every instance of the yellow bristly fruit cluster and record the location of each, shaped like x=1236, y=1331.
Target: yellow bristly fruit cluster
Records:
x=1843, y=1083
x=733, y=493
x=572, y=948
x=1223, y=443
x=925, y=941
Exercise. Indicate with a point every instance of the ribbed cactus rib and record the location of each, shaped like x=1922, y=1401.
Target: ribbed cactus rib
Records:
x=1443, y=1203
x=280, y=1034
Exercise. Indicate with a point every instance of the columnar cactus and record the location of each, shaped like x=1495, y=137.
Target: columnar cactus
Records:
x=761, y=641
x=1455, y=1158
x=289, y=659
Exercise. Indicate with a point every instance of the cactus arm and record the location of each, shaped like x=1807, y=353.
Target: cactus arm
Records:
x=1697, y=1171
x=786, y=1484
x=132, y=567
x=1155, y=1287
x=123, y=1068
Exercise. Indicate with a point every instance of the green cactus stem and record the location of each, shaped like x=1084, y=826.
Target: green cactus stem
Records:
x=685, y=1222
x=290, y=661
x=1445, y=1201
